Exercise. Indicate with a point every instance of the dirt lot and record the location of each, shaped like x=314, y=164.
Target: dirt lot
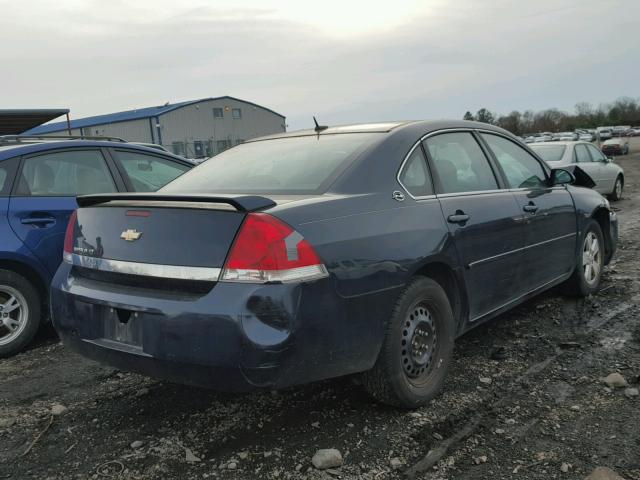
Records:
x=525, y=400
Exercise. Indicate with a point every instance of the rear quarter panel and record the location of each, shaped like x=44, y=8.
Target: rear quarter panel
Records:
x=371, y=245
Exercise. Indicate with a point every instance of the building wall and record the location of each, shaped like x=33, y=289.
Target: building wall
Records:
x=132, y=130
x=193, y=131
x=196, y=123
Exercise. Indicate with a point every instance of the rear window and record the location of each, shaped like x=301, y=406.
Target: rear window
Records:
x=550, y=153
x=290, y=165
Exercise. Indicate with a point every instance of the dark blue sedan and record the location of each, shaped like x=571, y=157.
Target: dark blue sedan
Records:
x=363, y=249
x=39, y=180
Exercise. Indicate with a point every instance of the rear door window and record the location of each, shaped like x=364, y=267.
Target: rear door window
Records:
x=7, y=173
x=581, y=154
x=460, y=163
x=596, y=154
x=521, y=168
x=65, y=173
x=414, y=176
x=147, y=173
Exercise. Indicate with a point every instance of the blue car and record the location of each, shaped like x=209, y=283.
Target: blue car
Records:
x=364, y=249
x=39, y=180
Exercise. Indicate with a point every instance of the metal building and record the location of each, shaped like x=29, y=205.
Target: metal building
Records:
x=194, y=129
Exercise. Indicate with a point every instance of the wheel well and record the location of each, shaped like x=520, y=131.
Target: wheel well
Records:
x=601, y=215
x=446, y=278
x=27, y=272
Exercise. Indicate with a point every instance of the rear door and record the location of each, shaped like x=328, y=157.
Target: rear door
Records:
x=586, y=162
x=550, y=218
x=44, y=197
x=483, y=219
x=146, y=172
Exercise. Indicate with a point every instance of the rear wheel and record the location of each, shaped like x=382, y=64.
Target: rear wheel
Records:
x=417, y=349
x=616, y=194
x=590, y=263
x=19, y=312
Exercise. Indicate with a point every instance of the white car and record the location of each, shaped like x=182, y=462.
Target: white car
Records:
x=607, y=175
x=586, y=137
x=567, y=137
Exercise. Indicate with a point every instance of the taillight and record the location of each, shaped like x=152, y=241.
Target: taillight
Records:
x=68, y=237
x=268, y=250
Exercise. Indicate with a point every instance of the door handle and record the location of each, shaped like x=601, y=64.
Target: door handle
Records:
x=458, y=217
x=531, y=208
x=39, y=221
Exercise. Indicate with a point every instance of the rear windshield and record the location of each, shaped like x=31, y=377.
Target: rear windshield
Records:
x=290, y=165
x=550, y=153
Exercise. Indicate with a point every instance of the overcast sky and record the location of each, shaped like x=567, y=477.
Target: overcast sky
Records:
x=341, y=60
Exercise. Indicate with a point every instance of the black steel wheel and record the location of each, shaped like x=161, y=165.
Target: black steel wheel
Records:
x=417, y=348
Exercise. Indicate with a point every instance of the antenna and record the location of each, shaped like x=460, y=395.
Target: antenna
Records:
x=319, y=128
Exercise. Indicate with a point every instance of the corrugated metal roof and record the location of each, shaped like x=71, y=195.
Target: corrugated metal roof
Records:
x=127, y=115
x=15, y=122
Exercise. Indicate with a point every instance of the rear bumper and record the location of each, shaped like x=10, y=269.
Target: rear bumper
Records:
x=237, y=337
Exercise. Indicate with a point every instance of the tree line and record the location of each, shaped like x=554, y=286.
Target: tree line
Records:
x=623, y=111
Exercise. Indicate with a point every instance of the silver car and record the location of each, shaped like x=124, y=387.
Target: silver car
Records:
x=607, y=175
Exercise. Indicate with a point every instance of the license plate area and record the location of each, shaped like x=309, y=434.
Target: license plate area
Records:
x=122, y=326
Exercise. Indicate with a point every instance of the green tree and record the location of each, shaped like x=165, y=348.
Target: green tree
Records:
x=485, y=116
x=468, y=116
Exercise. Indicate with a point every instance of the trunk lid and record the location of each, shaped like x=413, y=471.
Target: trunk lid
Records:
x=160, y=230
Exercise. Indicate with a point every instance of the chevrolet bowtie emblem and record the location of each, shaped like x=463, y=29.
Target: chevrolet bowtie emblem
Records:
x=130, y=235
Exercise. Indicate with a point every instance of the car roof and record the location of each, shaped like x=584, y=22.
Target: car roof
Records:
x=576, y=142
x=424, y=126
x=16, y=149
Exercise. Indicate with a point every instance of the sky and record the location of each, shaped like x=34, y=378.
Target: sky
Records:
x=343, y=61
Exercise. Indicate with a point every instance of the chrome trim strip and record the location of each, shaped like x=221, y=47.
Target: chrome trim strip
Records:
x=178, y=272
x=477, y=192
x=513, y=300
x=488, y=259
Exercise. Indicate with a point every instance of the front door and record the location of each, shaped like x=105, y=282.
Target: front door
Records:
x=44, y=198
x=549, y=215
x=483, y=219
x=607, y=174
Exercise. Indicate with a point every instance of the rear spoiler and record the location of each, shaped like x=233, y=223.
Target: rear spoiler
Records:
x=242, y=203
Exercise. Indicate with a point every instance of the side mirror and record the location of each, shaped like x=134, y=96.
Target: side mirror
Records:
x=560, y=176
x=608, y=160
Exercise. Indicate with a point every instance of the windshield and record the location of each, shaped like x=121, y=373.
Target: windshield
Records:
x=289, y=165
x=550, y=153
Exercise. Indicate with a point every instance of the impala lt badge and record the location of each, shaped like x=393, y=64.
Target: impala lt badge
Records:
x=130, y=235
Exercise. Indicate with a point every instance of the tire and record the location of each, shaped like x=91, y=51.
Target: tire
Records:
x=616, y=194
x=20, y=324
x=578, y=284
x=404, y=378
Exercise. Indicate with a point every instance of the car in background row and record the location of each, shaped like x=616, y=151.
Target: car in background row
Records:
x=585, y=136
x=604, y=133
x=39, y=181
x=363, y=249
x=607, y=175
x=567, y=136
x=616, y=146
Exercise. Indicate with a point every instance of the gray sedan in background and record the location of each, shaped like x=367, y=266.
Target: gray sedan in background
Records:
x=607, y=175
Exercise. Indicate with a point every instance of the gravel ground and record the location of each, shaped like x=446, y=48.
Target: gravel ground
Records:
x=525, y=399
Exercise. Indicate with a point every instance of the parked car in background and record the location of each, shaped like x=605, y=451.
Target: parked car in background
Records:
x=616, y=146
x=529, y=138
x=604, y=133
x=586, y=136
x=567, y=136
x=39, y=181
x=607, y=175
x=363, y=249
